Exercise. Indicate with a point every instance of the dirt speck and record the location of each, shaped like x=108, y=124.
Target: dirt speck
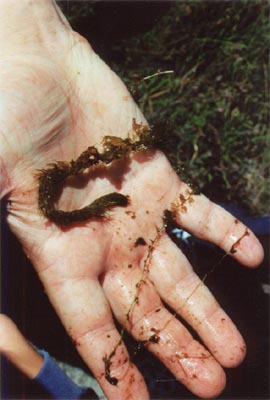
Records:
x=233, y=249
x=131, y=379
x=140, y=242
x=132, y=214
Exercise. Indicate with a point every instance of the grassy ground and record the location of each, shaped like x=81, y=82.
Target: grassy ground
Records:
x=215, y=104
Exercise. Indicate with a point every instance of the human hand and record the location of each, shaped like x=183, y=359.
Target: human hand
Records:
x=57, y=98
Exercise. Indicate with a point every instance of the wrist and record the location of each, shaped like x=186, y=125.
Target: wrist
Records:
x=26, y=21
x=15, y=347
x=17, y=9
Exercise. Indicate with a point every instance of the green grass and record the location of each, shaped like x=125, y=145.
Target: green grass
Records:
x=215, y=105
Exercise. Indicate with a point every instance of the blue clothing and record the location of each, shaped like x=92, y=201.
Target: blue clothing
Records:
x=58, y=384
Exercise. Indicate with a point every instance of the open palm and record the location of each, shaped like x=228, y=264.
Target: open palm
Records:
x=58, y=98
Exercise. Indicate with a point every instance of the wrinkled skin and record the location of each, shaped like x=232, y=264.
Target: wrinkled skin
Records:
x=57, y=98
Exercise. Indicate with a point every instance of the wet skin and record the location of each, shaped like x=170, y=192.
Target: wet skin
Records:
x=58, y=98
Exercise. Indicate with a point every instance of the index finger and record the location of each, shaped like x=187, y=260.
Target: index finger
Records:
x=208, y=221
